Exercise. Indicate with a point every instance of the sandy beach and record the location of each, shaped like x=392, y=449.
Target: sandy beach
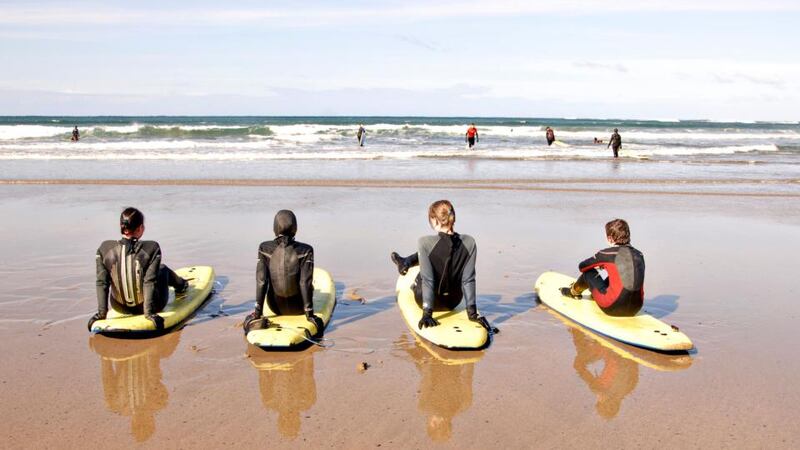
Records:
x=718, y=266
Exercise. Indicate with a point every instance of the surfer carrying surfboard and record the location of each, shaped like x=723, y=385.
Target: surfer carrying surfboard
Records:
x=129, y=271
x=361, y=135
x=622, y=292
x=472, y=136
x=284, y=276
x=550, y=135
x=447, y=268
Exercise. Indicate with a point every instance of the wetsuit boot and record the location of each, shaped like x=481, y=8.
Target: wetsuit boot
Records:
x=403, y=264
x=575, y=290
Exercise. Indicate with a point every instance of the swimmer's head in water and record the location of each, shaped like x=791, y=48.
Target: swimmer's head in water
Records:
x=130, y=220
x=442, y=212
x=618, y=232
x=285, y=223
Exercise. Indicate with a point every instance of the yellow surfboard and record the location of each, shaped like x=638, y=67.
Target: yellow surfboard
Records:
x=641, y=330
x=455, y=330
x=664, y=362
x=178, y=309
x=292, y=331
x=446, y=356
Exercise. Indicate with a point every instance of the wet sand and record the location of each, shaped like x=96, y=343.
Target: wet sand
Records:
x=721, y=267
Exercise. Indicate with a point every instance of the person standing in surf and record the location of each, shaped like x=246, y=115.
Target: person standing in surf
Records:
x=622, y=292
x=550, y=135
x=472, y=136
x=284, y=276
x=130, y=273
x=361, y=135
x=447, y=268
x=615, y=142
x=76, y=135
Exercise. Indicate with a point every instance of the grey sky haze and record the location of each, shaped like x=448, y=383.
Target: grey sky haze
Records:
x=657, y=59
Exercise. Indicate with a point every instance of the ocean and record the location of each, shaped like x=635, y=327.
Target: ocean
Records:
x=396, y=148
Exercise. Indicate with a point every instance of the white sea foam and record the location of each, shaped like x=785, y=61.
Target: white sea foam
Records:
x=11, y=132
x=185, y=150
x=311, y=133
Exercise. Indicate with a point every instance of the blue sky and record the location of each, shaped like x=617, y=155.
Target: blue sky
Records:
x=734, y=59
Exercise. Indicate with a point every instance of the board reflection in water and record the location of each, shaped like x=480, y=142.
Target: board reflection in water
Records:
x=445, y=389
x=287, y=385
x=611, y=369
x=131, y=375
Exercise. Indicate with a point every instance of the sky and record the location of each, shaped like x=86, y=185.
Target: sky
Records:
x=653, y=59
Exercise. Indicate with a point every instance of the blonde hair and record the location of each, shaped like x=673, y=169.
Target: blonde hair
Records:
x=442, y=211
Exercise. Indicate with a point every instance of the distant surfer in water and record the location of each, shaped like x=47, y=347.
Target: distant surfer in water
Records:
x=598, y=141
x=76, y=135
x=622, y=293
x=129, y=271
x=361, y=135
x=447, y=268
x=284, y=276
x=472, y=135
x=550, y=135
x=615, y=142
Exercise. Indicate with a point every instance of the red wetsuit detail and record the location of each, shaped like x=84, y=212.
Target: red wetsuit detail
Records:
x=472, y=132
x=612, y=294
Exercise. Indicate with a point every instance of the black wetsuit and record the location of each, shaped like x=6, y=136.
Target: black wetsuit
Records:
x=284, y=277
x=622, y=293
x=129, y=271
x=615, y=143
x=551, y=137
x=447, y=272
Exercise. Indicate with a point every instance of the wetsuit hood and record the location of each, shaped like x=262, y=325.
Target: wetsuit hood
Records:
x=285, y=223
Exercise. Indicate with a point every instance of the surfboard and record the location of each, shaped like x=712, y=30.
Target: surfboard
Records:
x=446, y=356
x=178, y=309
x=294, y=331
x=664, y=362
x=560, y=144
x=641, y=330
x=455, y=330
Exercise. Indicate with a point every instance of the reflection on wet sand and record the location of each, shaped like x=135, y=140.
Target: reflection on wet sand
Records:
x=617, y=379
x=620, y=366
x=286, y=382
x=131, y=374
x=446, y=385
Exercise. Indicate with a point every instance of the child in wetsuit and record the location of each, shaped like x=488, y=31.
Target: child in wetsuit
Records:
x=284, y=276
x=129, y=271
x=447, y=268
x=622, y=292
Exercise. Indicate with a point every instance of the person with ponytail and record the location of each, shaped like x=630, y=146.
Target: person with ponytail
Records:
x=447, y=268
x=130, y=273
x=284, y=276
